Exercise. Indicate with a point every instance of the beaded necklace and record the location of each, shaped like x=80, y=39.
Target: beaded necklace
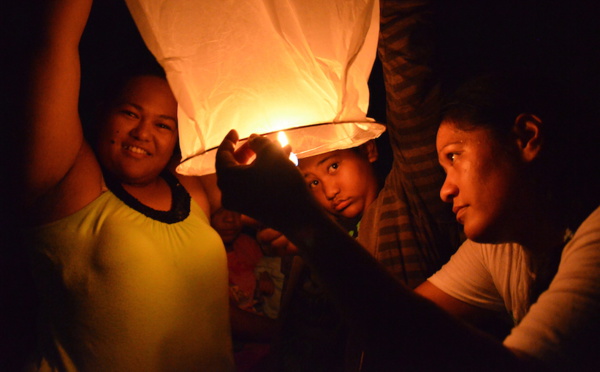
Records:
x=180, y=199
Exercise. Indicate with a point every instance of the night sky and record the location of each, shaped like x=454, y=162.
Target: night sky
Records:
x=558, y=37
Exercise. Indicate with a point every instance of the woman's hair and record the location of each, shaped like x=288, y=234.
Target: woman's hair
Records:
x=108, y=91
x=494, y=100
x=114, y=86
x=567, y=163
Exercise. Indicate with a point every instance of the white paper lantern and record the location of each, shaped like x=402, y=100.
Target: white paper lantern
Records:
x=263, y=66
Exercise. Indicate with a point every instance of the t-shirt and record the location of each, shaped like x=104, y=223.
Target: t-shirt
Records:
x=121, y=291
x=563, y=327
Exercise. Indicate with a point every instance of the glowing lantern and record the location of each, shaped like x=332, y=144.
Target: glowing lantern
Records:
x=264, y=66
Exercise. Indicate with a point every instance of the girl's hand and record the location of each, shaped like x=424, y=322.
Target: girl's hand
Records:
x=270, y=188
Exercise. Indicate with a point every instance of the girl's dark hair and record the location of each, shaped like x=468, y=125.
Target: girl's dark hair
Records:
x=107, y=91
x=114, y=85
x=494, y=100
x=567, y=165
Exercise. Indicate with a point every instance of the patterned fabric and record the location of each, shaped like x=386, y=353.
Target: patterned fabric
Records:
x=241, y=261
x=408, y=228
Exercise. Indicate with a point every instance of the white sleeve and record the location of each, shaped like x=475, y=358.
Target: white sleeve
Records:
x=563, y=327
x=466, y=277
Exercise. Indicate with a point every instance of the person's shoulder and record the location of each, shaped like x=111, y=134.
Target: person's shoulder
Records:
x=593, y=219
x=471, y=245
x=491, y=253
x=587, y=235
x=81, y=185
x=589, y=226
x=196, y=188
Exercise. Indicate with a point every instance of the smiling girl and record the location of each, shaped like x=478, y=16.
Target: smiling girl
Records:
x=131, y=276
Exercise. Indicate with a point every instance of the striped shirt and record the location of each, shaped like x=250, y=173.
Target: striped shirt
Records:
x=408, y=228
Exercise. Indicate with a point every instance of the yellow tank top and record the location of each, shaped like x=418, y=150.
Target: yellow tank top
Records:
x=124, y=292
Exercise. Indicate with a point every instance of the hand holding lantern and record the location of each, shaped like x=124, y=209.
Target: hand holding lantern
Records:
x=270, y=188
x=261, y=66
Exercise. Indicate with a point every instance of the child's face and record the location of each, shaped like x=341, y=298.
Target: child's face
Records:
x=343, y=181
x=227, y=223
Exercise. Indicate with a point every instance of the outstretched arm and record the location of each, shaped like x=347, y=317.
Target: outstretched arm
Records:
x=400, y=329
x=409, y=200
x=56, y=154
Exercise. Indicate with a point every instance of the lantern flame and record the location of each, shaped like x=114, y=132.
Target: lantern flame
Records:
x=282, y=138
x=283, y=141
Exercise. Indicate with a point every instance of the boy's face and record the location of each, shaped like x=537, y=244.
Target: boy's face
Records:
x=343, y=181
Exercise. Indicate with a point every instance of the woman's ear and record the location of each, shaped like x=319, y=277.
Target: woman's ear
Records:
x=369, y=148
x=527, y=129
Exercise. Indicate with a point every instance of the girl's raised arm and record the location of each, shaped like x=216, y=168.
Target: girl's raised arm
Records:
x=58, y=162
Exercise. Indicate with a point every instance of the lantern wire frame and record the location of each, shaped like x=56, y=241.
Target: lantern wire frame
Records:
x=305, y=141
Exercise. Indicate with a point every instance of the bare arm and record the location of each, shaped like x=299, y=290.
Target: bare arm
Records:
x=61, y=173
x=446, y=302
x=483, y=319
x=400, y=329
x=410, y=195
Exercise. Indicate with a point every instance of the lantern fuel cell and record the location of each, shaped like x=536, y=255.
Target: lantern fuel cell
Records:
x=264, y=66
x=283, y=141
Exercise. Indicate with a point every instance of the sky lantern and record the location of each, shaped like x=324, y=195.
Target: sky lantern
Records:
x=264, y=66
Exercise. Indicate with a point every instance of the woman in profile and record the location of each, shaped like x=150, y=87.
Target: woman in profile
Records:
x=520, y=161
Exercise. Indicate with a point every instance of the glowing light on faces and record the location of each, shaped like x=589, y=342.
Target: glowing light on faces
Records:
x=300, y=66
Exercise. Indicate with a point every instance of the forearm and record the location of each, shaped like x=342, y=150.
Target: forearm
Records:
x=410, y=195
x=398, y=327
x=406, y=51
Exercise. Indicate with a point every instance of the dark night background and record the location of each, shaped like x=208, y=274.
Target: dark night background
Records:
x=561, y=38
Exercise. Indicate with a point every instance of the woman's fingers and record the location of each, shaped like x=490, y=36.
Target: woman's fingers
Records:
x=258, y=143
x=243, y=154
x=263, y=189
x=225, y=157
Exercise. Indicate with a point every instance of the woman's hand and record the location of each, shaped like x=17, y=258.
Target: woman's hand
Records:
x=269, y=189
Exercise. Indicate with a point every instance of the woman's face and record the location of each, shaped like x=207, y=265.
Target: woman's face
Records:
x=482, y=182
x=139, y=134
